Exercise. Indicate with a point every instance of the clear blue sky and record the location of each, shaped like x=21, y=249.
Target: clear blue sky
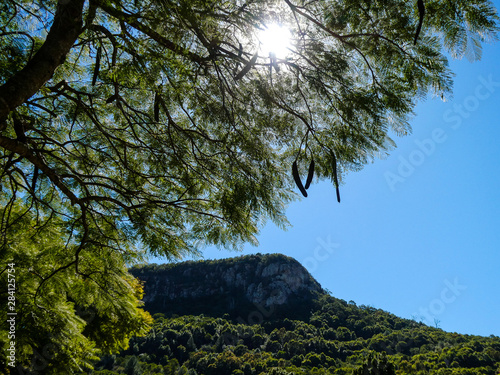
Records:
x=416, y=234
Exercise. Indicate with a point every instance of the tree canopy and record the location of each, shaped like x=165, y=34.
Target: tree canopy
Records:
x=337, y=338
x=158, y=126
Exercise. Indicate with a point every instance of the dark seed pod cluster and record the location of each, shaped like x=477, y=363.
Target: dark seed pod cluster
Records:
x=310, y=175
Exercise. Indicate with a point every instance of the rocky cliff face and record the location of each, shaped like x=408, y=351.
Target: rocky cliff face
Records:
x=227, y=286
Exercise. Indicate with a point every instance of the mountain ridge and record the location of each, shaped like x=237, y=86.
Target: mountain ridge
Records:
x=235, y=285
x=302, y=330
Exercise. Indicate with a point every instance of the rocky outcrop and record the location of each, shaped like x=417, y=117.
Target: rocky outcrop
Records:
x=228, y=285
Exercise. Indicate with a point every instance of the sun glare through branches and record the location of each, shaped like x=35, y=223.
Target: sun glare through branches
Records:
x=275, y=39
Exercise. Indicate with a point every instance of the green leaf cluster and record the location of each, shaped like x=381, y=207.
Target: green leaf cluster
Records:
x=69, y=309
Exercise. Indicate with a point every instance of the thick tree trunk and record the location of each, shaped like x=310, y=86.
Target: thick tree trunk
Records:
x=64, y=32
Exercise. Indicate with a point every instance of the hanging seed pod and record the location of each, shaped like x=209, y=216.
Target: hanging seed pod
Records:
x=97, y=65
x=157, y=107
x=310, y=175
x=296, y=177
x=111, y=99
x=35, y=177
x=335, y=177
x=421, y=12
x=247, y=67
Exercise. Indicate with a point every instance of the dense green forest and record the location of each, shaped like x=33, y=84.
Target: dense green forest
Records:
x=339, y=338
x=334, y=337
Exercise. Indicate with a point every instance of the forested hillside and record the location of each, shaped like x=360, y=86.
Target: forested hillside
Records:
x=333, y=337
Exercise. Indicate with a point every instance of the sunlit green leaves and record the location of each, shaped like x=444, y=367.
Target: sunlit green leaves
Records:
x=71, y=305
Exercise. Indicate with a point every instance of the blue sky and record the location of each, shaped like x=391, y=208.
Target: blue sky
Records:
x=416, y=234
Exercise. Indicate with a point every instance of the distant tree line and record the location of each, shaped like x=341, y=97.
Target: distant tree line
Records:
x=339, y=338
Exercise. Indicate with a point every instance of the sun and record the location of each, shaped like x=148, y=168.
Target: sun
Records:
x=275, y=38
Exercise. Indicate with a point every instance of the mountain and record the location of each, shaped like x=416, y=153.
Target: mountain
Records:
x=235, y=286
x=265, y=314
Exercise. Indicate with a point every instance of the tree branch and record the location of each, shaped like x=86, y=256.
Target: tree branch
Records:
x=22, y=150
x=132, y=21
x=24, y=84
